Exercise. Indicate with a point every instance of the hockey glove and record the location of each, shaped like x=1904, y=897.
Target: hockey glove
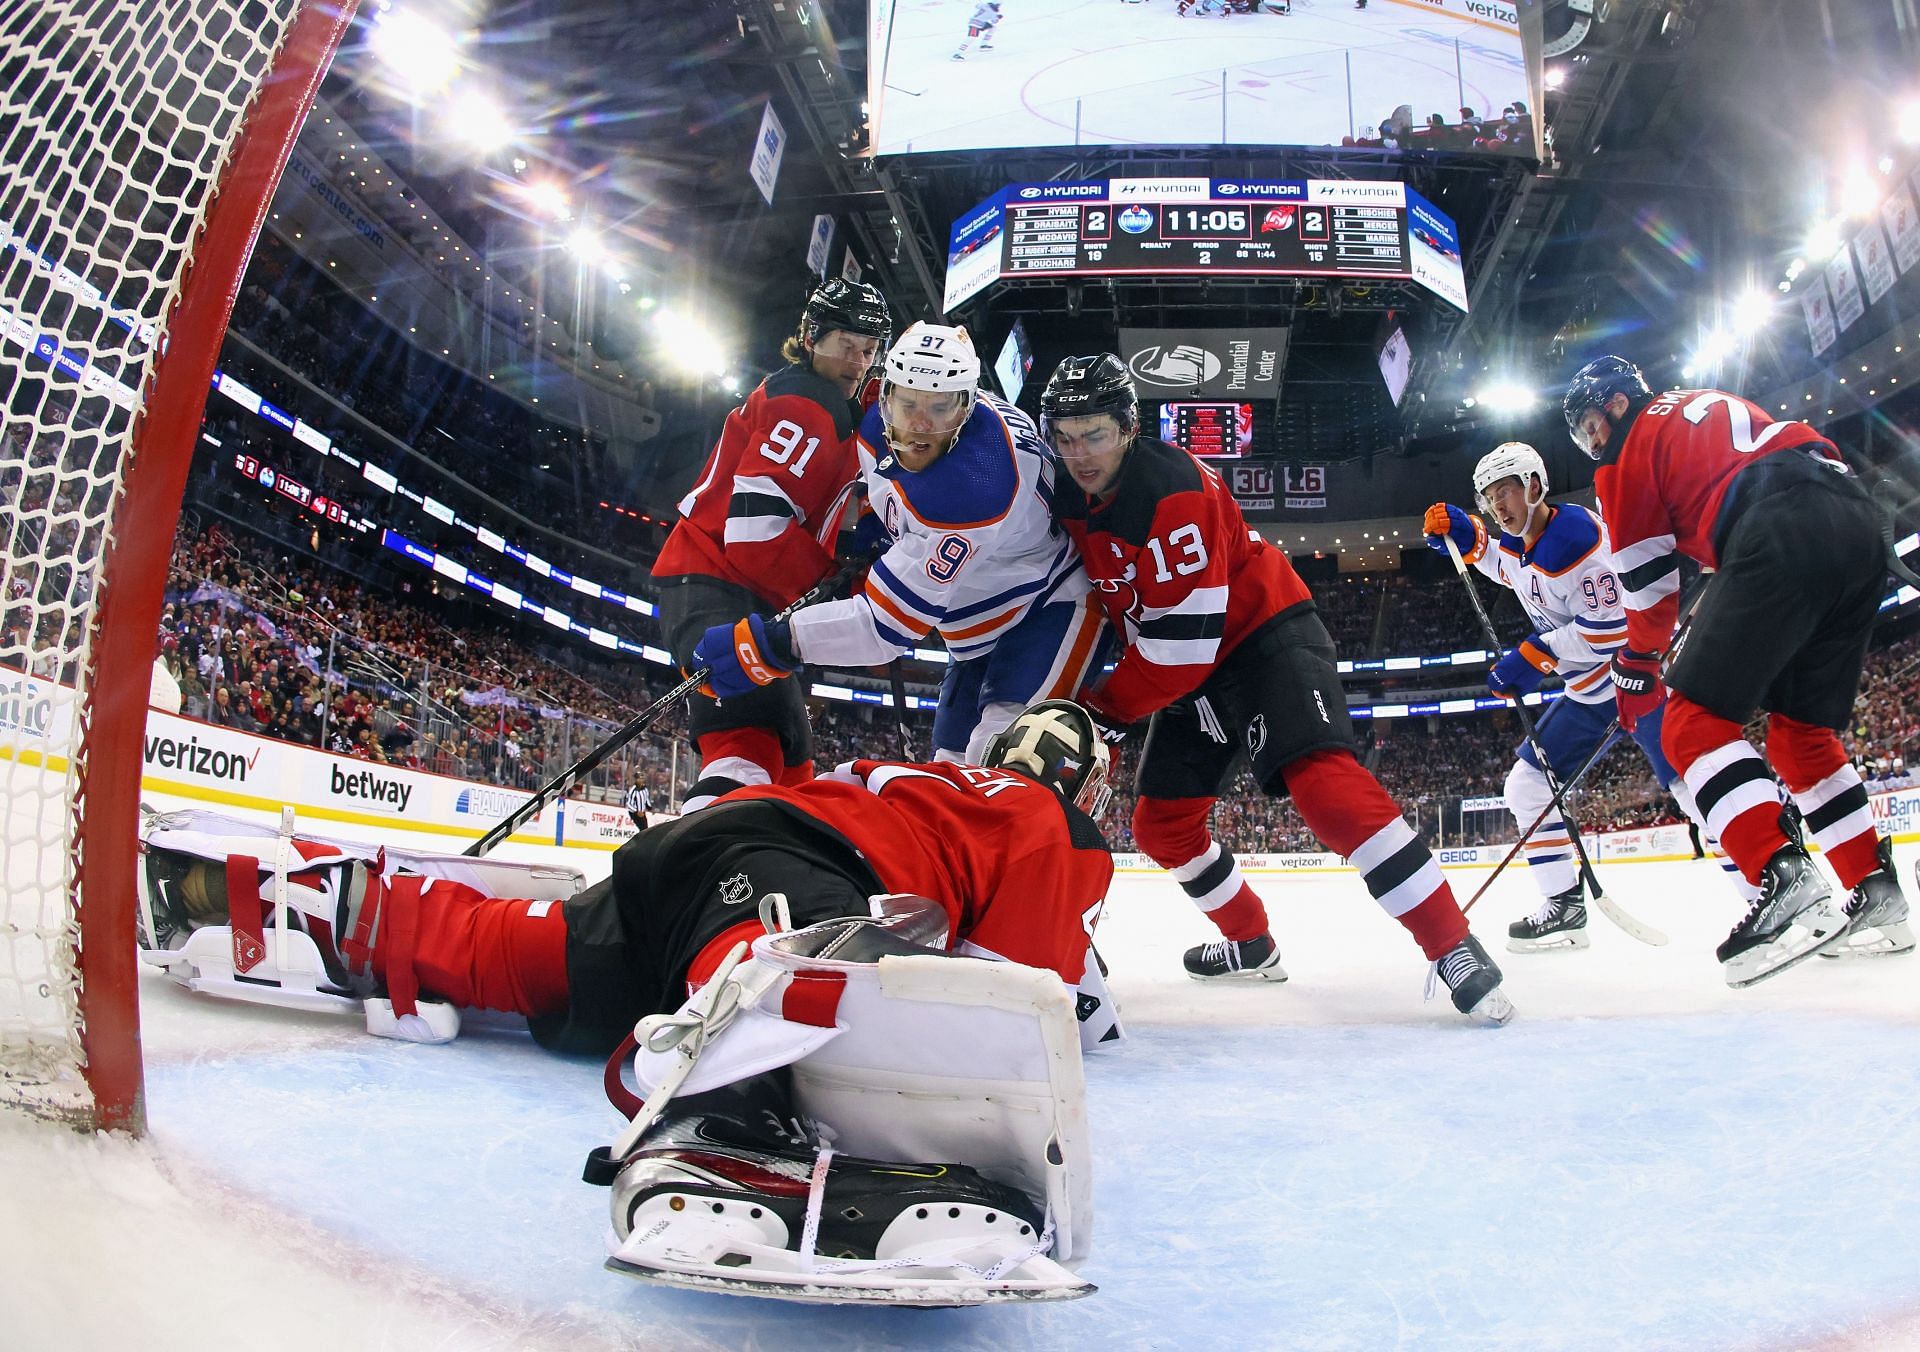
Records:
x=744, y=656
x=869, y=538
x=1469, y=535
x=1112, y=731
x=1521, y=670
x=1636, y=685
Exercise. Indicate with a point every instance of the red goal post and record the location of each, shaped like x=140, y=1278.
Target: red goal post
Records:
x=140, y=144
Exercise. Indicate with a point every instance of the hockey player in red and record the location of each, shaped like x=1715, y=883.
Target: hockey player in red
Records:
x=758, y=529
x=996, y=861
x=1227, y=656
x=1799, y=571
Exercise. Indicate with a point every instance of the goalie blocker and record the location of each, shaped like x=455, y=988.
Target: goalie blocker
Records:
x=857, y=892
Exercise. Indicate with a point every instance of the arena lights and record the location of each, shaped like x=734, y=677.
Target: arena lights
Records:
x=548, y=199
x=688, y=345
x=588, y=247
x=1508, y=397
x=1860, y=192
x=1555, y=77
x=477, y=119
x=1908, y=121
x=1824, y=240
x=416, y=48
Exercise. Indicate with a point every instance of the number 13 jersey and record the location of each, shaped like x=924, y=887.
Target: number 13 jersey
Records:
x=1181, y=576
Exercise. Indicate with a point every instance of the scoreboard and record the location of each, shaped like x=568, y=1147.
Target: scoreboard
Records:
x=1300, y=239
x=1364, y=229
x=1211, y=431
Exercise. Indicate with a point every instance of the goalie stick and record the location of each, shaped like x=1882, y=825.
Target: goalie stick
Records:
x=1605, y=904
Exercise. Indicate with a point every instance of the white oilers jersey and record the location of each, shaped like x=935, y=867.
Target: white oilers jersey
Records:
x=1566, y=585
x=975, y=546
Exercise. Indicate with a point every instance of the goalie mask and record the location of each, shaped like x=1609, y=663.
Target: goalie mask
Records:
x=927, y=391
x=1513, y=460
x=1056, y=743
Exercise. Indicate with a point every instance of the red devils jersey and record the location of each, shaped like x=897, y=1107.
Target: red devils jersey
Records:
x=1181, y=576
x=1662, y=495
x=1021, y=874
x=767, y=505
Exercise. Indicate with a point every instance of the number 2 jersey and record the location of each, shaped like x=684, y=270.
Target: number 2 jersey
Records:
x=1665, y=492
x=974, y=545
x=1567, y=587
x=766, y=508
x=1020, y=872
x=1181, y=576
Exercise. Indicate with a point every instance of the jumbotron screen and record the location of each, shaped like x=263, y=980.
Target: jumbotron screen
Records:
x=1210, y=431
x=955, y=75
x=1198, y=226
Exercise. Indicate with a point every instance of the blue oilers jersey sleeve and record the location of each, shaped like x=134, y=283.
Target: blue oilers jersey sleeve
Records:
x=1566, y=584
x=974, y=545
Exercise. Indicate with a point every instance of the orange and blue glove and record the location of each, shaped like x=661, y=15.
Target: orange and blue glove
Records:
x=1636, y=685
x=1521, y=670
x=744, y=656
x=1443, y=519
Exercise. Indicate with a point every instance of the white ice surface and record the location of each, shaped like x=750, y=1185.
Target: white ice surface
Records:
x=1642, y=1159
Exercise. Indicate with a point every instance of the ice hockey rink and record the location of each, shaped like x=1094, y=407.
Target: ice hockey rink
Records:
x=1642, y=1158
x=1102, y=72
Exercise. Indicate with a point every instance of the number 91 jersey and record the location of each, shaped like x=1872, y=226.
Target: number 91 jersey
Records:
x=1181, y=577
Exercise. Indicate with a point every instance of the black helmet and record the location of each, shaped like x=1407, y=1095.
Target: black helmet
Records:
x=1056, y=743
x=1597, y=382
x=855, y=307
x=1081, y=387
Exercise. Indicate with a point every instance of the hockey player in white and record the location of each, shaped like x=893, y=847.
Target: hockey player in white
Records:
x=963, y=487
x=1557, y=562
x=980, y=24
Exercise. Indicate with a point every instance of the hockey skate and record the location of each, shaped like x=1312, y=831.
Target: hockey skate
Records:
x=1473, y=980
x=1792, y=919
x=1255, y=959
x=1878, y=911
x=1560, y=923
x=732, y=1193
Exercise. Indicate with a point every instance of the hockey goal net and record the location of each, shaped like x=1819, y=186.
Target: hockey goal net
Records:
x=140, y=141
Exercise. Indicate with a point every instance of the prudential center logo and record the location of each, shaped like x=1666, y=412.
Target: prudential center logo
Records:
x=1180, y=366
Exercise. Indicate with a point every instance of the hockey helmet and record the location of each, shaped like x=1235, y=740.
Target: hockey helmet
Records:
x=854, y=307
x=1510, y=460
x=1596, y=383
x=1056, y=743
x=1083, y=387
x=930, y=359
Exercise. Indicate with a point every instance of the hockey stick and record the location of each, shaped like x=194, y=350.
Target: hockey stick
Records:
x=897, y=682
x=561, y=784
x=1605, y=904
x=1593, y=758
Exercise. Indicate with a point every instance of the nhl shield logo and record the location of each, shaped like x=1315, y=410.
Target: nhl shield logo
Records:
x=736, y=889
x=1256, y=734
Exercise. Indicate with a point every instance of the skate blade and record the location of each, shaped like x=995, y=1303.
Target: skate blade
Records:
x=1789, y=950
x=827, y=1288
x=1877, y=941
x=1568, y=941
x=1493, y=1009
x=1275, y=974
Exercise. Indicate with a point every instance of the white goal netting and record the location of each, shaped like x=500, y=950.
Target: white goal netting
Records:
x=117, y=120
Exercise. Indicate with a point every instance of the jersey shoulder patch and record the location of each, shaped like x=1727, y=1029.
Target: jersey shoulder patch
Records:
x=1569, y=538
x=972, y=485
x=803, y=382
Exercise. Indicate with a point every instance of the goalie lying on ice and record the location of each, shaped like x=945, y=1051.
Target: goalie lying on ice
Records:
x=823, y=931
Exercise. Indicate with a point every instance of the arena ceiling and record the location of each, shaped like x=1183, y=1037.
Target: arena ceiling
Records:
x=1694, y=142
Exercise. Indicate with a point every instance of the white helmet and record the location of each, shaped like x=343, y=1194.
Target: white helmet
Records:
x=1511, y=460
x=1056, y=743
x=936, y=359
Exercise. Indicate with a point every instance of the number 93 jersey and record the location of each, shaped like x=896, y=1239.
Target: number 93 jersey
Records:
x=974, y=547
x=1567, y=586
